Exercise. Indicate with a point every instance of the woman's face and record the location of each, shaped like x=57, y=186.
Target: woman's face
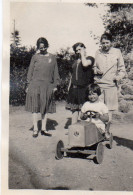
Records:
x=42, y=48
x=106, y=45
x=80, y=50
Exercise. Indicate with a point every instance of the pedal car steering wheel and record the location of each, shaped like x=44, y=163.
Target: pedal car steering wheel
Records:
x=91, y=113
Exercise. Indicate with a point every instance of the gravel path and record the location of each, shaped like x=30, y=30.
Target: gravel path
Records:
x=32, y=163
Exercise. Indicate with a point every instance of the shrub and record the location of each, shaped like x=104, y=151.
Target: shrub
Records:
x=19, y=61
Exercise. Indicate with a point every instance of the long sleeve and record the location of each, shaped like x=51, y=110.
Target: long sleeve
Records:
x=56, y=75
x=31, y=69
x=121, y=67
x=96, y=67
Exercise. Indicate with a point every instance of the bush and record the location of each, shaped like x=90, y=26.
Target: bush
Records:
x=19, y=62
x=17, y=86
x=62, y=89
x=64, y=60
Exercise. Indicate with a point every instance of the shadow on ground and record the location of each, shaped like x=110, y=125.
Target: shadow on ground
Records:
x=123, y=142
x=51, y=124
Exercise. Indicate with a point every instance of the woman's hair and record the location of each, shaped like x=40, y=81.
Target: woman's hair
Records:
x=106, y=36
x=42, y=40
x=93, y=88
x=76, y=45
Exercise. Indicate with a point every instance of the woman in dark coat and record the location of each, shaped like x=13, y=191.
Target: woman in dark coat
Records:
x=82, y=75
x=42, y=81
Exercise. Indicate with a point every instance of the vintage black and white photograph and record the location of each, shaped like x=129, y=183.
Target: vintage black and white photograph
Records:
x=71, y=96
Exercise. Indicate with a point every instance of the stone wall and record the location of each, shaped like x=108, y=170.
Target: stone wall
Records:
x=125, y=97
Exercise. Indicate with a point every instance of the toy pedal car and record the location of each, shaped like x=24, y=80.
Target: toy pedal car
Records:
x=84, y=138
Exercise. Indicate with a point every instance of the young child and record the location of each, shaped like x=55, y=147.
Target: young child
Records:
x=100, y=117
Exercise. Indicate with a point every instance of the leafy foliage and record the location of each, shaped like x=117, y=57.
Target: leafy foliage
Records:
x=19, y=61
x=15, y=38
x=115, y=7
x=91, y=4
x=120, y=26
x=118, y=21
x=64, y=60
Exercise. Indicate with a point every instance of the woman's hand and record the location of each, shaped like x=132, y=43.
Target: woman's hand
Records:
x=97, y=71
x=70, y=82
x=26, y=86
x=68, y=88
x=26, y=90
x=82, y=51
x=55, y=89
x=85, y=62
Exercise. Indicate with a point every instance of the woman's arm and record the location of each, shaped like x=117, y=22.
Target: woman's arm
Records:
x=96, y=67
x=31, y=69
x=70, y=82
x=30, y=73
x=121, y=72
x=85, y=62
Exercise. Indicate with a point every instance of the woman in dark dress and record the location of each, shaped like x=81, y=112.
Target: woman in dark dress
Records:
x=82, y=75
x=42, y=81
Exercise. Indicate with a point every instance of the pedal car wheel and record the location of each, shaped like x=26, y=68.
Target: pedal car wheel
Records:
x=111, y=141
x=99, y=153
x=59, y=153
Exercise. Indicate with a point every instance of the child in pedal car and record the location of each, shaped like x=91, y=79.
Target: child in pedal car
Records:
x=96, y=108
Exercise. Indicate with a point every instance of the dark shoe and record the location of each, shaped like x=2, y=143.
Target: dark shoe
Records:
x=45, y=133
x=35, y=134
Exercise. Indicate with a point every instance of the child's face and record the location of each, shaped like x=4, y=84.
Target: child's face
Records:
x=93, y=97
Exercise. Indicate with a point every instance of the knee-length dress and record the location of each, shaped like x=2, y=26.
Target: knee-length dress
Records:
x=43, y=78
x=81, y=78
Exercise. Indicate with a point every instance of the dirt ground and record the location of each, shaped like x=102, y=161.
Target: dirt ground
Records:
x=32, y=163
